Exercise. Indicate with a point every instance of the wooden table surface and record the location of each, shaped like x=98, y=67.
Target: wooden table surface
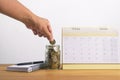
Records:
x=60, y=74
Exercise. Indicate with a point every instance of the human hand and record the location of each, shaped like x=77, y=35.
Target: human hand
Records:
x=40, y=26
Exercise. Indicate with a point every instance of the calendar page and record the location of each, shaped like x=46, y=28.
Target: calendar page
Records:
x=90, y=45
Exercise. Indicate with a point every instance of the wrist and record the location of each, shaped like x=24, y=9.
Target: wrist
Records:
x=29, y=19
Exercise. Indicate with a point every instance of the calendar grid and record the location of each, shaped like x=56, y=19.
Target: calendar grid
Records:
x=90, y=45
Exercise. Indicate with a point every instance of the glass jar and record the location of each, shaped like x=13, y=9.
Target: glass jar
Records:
x=52, y=57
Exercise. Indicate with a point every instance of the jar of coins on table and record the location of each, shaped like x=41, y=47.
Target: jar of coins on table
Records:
x=52, y=57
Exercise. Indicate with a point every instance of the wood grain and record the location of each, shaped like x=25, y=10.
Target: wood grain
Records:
x=60, y=74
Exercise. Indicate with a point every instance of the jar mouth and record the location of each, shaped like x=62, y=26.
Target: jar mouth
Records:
x=52, y=45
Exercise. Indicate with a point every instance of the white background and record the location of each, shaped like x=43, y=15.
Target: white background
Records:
x=18, y=44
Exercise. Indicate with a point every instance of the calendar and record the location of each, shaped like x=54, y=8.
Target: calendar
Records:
x=90, y=45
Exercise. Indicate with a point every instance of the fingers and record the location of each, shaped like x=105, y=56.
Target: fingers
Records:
x=35, y=32
x=49, y=27
x=46, y=30
x=45, y=33
x=50, y=36
x=41, y=27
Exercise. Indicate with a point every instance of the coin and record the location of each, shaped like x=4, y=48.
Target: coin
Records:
x=52, y=42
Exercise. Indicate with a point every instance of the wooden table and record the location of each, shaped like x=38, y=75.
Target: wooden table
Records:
x=60, y=74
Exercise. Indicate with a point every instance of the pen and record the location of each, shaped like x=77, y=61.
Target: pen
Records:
x=28, y=63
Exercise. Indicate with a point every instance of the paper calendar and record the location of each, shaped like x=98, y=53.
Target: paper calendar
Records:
x=90, y=46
